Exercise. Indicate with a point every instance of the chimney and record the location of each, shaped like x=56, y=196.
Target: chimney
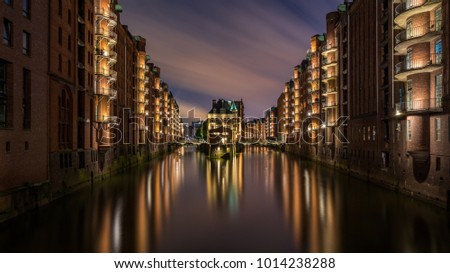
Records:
x=214, y=103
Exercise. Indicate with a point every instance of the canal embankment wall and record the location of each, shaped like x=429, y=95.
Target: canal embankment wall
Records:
x=388, y=178
x=65, y=181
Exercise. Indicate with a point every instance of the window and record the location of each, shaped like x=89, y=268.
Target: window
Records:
x=60, y=36
x=374, y=133
x=437, y=127
x=26, y=103
x=26, y=43
x=364, y=133
x=409, y=95
x=64, y=120
x=437, y=52
x=368, y=133
x=409, y=130
x=59, y=8
x=69, y=17
x=27, y=146
x=398, y=131
x=7, y=32
x=26, y=8
x=69, y=68
x=438, y=90
x=438, y=163
x=59, y=63
x=8, y=2
x=8, y=146
x=69, y=42
x=3, y=94
x=409, y=59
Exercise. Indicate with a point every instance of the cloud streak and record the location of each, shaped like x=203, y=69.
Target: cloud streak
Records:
x=227, y=49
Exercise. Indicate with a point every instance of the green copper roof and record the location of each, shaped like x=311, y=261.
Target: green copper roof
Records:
x=119, y=8
x=342, y=7
x=233, y=107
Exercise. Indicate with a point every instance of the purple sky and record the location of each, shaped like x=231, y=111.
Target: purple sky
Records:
x=229, y=49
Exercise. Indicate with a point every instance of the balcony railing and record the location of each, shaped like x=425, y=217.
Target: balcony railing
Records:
x=433, y=104
x=416, y=32
x=112, y=93
x=418, y=63
x=329, y=104
x=106, y=33
x=329, y=90
x=106, y=13
x=411, y=4
x=328, y=75
x=327, y=61
x=327, y=48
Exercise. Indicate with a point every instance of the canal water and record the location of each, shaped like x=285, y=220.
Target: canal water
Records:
x=260, y=201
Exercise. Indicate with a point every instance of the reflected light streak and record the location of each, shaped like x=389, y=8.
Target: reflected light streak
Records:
x=117, y=226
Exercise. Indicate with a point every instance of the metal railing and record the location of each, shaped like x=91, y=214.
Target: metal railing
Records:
x=419, y=105
x=418, y=63
x=328, y=75
x=328, y=47
x=106, y=13
x=411, y=4
x=419, y=31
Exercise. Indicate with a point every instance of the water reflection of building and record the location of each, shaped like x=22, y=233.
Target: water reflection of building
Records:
x=309, y=206
x=224, y=183
x=144, y=217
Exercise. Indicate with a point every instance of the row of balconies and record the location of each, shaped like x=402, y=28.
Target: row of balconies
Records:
x=409, y=8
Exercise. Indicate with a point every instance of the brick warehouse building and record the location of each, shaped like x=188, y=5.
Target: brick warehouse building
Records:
x=75, y=93
x=385, y=65
x=23, y=102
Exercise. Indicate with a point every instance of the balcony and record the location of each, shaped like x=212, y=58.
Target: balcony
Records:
x=331, y=91
x=328, y=49
x=418, y=65
x=106, y=14
x=328, y=76
x=329, y=105
x=328, y=62
x=415, y=35
x=407, y=9
x=419, y=106
x=110, y=92
x=108, y=34
x=314, y=90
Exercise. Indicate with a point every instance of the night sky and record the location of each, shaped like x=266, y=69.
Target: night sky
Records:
x=229, y=49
